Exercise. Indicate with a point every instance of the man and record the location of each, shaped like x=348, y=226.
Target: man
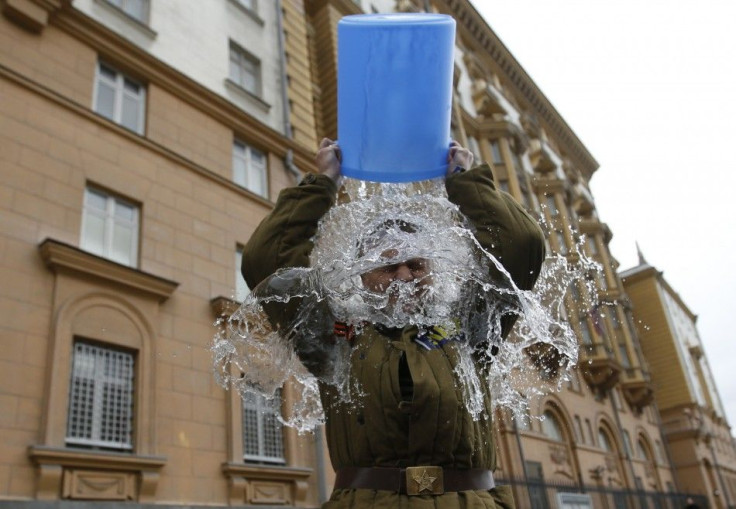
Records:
x=410, y=438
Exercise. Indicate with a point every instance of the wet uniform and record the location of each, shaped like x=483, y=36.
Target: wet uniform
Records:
x=412, y=413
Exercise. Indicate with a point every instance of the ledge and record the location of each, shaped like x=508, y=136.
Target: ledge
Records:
x=250, y=96
x=129, y=20
x=61, y=257
x=223, y=307
x=44, y=455
x=267, y=472
x=249, y=12
x=95, y=475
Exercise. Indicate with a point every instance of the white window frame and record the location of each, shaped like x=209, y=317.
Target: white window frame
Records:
x=118, y=85
x=124, y=6
x=242, y=59
x=99, y=376
x=241, y=287
x=266, y=415
x=250, y=5
x=111, y=222
x=243, y=154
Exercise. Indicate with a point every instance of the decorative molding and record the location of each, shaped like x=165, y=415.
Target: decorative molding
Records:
x=128, y=56
x=84, y=474
x=223, y=307
x=33, y=15
x=261, y=484
x=104, y=123
x=476, y=27
x=64, y=257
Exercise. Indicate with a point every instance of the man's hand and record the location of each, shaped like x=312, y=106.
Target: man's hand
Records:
x=328, y=158
x=459, y=158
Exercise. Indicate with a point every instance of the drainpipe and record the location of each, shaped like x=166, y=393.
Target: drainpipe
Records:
x=289, y=161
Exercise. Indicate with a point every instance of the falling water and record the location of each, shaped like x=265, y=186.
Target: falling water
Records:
x=283, y=331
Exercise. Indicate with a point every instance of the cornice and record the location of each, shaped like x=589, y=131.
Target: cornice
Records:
x=43, y=455
x=469, y=19
x=104, y=123
x=63, y=257
x=130, y=57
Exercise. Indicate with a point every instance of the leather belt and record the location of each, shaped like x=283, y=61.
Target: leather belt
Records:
x=420, y=480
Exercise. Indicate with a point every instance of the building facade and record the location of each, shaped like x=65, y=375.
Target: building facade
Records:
x=141, y=142
x=693, y=420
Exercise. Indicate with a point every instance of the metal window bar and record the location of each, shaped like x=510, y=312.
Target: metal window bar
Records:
x=262, y=430
x=101, y=398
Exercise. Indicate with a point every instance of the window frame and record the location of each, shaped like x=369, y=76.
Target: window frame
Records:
x=242, y=290
x=110, y=222
x=146, y=9
x=99, y=404
x=118, y=85
x=247, y=161
x=242, y=55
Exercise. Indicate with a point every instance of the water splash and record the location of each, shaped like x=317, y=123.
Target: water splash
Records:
x=284, y=330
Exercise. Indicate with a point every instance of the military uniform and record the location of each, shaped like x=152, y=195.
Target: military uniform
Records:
x=411, y=412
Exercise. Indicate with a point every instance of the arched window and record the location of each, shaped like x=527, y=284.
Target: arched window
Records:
x=551, y=427
x=604, y=441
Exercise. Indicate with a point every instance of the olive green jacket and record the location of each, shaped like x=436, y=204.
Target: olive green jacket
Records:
x=433, y=426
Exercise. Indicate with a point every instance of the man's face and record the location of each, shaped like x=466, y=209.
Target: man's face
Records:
x=413, y=273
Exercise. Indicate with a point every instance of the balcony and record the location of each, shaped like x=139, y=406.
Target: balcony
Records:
x=488, y=101
x=598, y=366
x=542, y=157
x=637, y=388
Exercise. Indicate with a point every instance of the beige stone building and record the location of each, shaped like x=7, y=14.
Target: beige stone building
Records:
x=141, y=142
x=693, y=420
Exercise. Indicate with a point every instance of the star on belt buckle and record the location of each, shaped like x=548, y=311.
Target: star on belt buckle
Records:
x=424, y=481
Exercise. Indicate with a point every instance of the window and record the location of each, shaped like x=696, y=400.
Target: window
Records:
x=551, y=427
x=551, y=205
x=136, y=9
x=100, y=397
x=603, y=441
x=110, y=227
x=592, y=246
x=562, y=246
x=241, y=288
x=579, y=428
x=245, y=69
x=475, y=149
x=262, y=431
x=120, y=98
x=249, y=168
x=496, y=152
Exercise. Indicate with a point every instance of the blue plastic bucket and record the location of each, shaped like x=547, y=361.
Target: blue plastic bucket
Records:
x=394, y=95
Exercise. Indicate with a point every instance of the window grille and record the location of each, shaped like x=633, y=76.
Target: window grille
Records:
x=249, y=168
x=110, y=227
x=262, y=430
x=120, y=98
x=100, y=398
x=245, y=70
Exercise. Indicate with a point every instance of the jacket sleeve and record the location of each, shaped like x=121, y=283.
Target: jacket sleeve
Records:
x=502, y=227
x=284, y=240
x=284, y=237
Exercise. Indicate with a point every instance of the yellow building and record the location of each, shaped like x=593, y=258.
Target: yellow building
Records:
x=693, y=420
x=141, y=142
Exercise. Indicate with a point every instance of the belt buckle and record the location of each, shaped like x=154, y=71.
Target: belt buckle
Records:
x=424, y=481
